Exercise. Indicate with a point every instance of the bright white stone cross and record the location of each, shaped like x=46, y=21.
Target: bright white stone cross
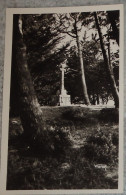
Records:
x=64, y=99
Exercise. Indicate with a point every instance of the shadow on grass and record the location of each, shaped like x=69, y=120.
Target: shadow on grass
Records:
x=67, y=167
x=65, y=171
x=28, y=169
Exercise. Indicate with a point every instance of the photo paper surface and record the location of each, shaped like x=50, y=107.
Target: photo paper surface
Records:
x=62, y=125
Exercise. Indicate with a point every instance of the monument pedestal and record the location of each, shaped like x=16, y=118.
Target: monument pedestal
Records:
x=64, y=99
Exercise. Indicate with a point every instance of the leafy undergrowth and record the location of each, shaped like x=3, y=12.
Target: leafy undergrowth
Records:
x=89, y=162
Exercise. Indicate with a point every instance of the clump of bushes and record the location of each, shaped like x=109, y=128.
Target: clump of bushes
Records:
x=16, y=128
x=75, y=113
x=109, y=115
x=102, y=147
x=85, y=115
x=51, y=139
x=60, y=138
x=56, y=140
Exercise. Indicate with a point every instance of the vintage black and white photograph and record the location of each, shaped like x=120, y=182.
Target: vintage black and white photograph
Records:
x=64, y=100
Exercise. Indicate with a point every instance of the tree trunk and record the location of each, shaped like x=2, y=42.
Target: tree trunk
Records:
x=97, y=99
x=93, y=98
x=107, y=65
x=29, y=108
x=86, y=98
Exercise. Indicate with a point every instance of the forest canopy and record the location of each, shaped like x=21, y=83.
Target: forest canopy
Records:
x=92, y=66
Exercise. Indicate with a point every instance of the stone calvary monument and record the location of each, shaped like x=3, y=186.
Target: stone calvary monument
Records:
x=64, y=98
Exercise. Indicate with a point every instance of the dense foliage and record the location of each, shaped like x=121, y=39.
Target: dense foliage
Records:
x=49, y=41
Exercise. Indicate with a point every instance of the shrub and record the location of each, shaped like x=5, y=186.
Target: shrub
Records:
x=61, y=139
x=84, y=115
x=115, y=138
x=109, y=115
x=102, y=148
x=58, y=141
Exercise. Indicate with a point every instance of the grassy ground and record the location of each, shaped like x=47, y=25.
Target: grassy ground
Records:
x=89, y=162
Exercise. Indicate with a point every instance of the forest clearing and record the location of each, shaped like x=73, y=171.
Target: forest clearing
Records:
x=86, y=155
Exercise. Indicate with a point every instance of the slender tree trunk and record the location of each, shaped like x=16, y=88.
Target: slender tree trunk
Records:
x=109, y=55
x=29, y=108
x=108, y=67
x=86, y=98
x=97, y=98
x=93, y=98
